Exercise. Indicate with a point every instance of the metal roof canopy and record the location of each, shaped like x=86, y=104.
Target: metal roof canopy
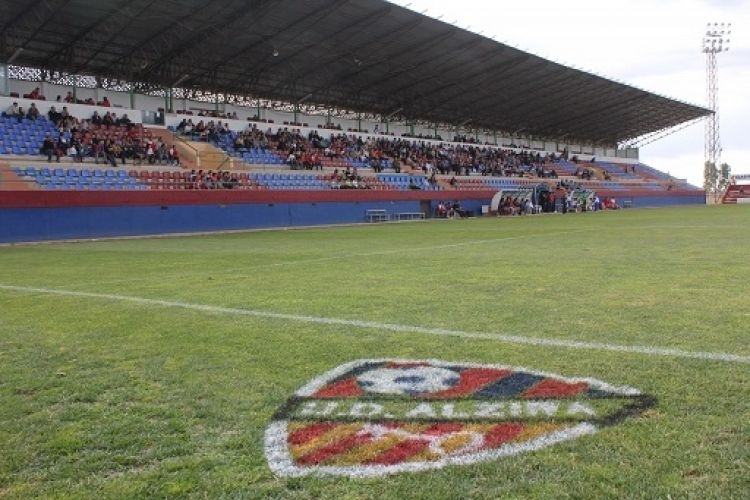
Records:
x=362, y=55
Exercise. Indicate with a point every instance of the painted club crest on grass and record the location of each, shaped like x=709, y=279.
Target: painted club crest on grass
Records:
x=384, y=416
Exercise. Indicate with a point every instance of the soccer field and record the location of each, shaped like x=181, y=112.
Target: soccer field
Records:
x=596, y=355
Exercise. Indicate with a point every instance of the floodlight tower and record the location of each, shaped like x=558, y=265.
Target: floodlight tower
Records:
x=715, y=40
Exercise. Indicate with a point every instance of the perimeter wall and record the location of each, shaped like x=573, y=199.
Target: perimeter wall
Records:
x=32, y=216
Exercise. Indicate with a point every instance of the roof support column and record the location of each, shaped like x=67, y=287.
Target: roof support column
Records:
x=4, y=85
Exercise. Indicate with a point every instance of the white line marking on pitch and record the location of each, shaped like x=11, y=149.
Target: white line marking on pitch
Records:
x=392, y=327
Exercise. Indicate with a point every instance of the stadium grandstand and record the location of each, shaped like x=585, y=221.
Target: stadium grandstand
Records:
x=738, y=190
x=196, y=115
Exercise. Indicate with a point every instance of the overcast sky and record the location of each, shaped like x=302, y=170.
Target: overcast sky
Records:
x=654, y=45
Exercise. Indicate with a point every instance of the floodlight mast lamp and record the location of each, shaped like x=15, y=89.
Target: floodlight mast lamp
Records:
x=715, y=41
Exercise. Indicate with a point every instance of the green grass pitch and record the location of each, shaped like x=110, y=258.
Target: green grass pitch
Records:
x=150, y=368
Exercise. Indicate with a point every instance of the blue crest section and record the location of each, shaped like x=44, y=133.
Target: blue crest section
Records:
x=511, y=386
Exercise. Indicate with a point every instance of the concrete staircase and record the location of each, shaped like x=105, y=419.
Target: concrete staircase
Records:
x=9, y=181
x=197, y=155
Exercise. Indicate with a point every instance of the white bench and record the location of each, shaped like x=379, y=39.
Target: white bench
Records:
x=409, y=215
x=376, y=215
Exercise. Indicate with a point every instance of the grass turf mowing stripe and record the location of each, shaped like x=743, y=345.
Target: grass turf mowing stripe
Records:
x=514, y=339
x=394, y=251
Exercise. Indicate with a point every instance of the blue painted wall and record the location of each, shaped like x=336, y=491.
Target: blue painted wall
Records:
x=83, y=222
x=664, y=201
x=43, y=224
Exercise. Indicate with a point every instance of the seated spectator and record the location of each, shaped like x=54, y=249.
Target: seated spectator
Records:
x=315, y=160
x=105, y=102
x=12, y=110
x=137, y=152
x=291, y=160
x=200, y=129
x=34, y=94
x=48, y=148
x=172, y=156
x=96, y=118
x=150, y=152
x=442, y=210
x=611, y=204
x=69, y=97
x=180, y=128
x=62, y=146
x=97, y=146
x=84, y=148
x=117, y=151
x=162, y=153
x=528, y=207
x=597, y=203
x=207, y=180
x=125, y=121
x=54, y=115
x=76, y=151
x=109, y=153
x=33, y=112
